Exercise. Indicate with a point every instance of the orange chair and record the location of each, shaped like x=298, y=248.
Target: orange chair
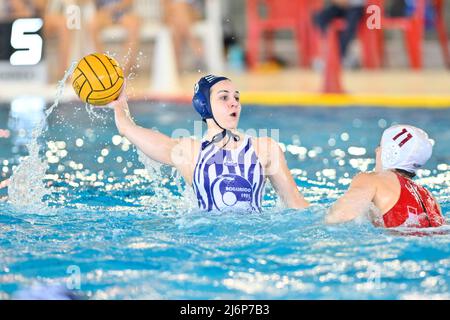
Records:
x=442, y=30
x=370, y=41
x=333, y=69
x=331, y=53
x=312, y=47
x=366, y=37
x=413, y=28
x=280, y=15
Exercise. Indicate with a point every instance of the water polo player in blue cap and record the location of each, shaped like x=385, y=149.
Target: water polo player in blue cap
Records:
x=227, y=169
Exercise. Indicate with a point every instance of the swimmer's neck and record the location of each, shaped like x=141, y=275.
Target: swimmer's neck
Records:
x=211, y=132
x=226, y=143
x=404, y=173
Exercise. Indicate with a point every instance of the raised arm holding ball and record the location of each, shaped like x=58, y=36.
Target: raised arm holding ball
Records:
x=227, y=169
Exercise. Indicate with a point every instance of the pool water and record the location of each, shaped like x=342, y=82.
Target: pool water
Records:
x=113, y=228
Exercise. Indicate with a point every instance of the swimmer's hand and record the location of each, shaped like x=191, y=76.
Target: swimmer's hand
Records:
x=5, y=183
x=121, y=111
x=121, y=99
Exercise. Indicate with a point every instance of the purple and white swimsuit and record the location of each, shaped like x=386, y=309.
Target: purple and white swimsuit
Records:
x=229, y=180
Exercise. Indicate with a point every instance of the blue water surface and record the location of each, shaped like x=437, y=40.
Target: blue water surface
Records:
x=114, y=230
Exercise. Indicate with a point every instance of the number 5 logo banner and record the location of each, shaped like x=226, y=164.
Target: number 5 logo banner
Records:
x=27, y=42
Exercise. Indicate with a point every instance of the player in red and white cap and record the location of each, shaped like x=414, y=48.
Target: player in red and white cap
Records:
x=399, y=201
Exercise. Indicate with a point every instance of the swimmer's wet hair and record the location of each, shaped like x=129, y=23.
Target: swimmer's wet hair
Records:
x=406, y=173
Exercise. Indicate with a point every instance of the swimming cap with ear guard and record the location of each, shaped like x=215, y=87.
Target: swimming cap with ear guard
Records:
x=405, y=147
x=201, y=100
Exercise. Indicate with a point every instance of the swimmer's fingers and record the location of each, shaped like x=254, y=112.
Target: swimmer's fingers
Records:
x=121, y=99
x=123, y=92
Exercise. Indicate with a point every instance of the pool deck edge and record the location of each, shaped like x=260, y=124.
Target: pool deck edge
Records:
x=345, y=100
x=272, y=99
x=295, y=99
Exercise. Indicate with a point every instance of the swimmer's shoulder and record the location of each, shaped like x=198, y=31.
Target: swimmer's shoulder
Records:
x=365, y=179
x=385, y=177
x=184, y=156
x=263, y=143
x=188, y=142
x=265, y=148
x=378, y=180
x=187, y=150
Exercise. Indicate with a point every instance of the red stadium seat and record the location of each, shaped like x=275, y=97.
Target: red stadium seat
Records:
x=280, y=15
x=369, y=39
x=442, y=30
x=312, y=47
x=332, y=71
x=372, y=42
x=413, y=28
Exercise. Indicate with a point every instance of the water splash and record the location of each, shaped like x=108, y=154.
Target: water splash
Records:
x=95, y=112
x=154, y=171
x=188, y=199
x=27, y=187
x=163, y=197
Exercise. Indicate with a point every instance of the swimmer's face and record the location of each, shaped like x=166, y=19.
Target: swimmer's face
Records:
x=378, y=166
x=225, y=104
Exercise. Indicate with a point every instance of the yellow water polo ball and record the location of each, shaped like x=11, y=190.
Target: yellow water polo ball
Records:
x=97, y=79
